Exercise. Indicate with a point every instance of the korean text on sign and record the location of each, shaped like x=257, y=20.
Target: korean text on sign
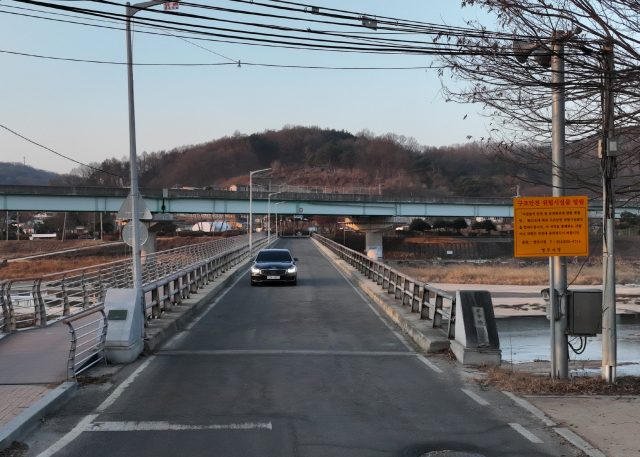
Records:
x=551, y=226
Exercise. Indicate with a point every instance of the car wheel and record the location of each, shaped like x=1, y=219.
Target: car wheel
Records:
x=295, y=282
x=253, y=283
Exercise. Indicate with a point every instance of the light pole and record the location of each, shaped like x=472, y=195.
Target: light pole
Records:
x=276, y=205
x=250, y=227
x=269, y=216
x=135, y=216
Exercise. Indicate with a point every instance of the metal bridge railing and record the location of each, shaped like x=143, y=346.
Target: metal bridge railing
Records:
x=427, y=301
x=167, y=276
x=87, y=340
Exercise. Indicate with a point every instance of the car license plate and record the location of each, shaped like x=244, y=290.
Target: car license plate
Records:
x=273, y=277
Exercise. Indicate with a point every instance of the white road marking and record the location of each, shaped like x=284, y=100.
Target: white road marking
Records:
x=116, y=393
x=579, y=442
x=173, y=342
x=526, y=433
x=287, y=352
x=532, y=409
x=84, y=423
x=69, y=437
x=475, y=397
x=144, y=426
x=424, y=360
x=384, y=321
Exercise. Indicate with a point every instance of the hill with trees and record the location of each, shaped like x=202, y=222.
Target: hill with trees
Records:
x=16, y=173
x=313, y=156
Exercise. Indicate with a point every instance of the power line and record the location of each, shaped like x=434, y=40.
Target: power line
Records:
x=57, y=153
x=253, y=64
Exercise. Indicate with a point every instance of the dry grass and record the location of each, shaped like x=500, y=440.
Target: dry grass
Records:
x=72, y=260
x=525, y=383
x=514, y=274
x=47, y=266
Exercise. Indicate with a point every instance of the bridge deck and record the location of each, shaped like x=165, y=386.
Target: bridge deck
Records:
x=310, y=370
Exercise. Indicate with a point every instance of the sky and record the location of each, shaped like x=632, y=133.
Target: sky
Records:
x=80, y=109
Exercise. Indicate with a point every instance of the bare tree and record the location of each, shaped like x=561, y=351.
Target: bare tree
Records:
x=517, y=96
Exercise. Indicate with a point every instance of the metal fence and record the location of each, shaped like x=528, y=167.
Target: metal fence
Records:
x=428, y=302
x=167, y=277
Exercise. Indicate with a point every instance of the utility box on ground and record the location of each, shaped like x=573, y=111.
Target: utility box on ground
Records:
x=584, y=309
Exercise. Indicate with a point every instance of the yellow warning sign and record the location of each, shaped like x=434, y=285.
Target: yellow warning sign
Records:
x=551, y=226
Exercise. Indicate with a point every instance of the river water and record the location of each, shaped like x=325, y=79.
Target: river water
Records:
x=525, y=339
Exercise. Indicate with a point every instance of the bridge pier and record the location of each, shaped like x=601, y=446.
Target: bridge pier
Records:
x=373, y=227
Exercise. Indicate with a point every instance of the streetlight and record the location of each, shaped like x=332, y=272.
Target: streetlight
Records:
x=135, y=216
x=251, y=173
x=276, y=205
x=269, y=216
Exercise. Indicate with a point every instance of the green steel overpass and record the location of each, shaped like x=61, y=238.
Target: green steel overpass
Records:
x=53, y=198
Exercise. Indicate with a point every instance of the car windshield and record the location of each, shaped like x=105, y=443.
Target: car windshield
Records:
x=273, y=256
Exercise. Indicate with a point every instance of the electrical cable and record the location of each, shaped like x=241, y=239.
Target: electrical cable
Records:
x=57, y=153
x=217, y=64
x=383, y=45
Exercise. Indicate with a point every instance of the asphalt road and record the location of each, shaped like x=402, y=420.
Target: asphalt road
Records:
x=310, y=370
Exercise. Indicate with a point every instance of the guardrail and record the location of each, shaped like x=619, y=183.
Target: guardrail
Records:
x=43, y=300
x=427, y=301
x=87, y=348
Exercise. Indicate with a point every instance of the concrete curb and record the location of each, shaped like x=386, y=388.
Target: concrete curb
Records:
x=567, y=434
x=20, y=426
x=428, y=338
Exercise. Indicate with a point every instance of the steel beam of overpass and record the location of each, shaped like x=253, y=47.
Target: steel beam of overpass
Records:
x=89, y=199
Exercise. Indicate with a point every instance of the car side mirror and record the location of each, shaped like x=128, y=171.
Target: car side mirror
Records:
x=295, y=259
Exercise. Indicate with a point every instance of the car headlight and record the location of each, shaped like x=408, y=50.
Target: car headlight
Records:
x=255, y=271
x=293, y=269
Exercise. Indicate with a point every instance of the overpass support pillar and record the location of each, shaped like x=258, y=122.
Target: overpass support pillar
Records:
x=151, y=245
x=373, y=227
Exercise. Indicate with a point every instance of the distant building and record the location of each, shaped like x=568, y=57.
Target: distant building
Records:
x=238, y=188
x=217, y=226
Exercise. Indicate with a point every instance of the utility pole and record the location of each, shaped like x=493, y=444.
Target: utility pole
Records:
x=558, y=268
x=608, y=162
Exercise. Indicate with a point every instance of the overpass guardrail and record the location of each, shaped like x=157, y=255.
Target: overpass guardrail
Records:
x=425, y=300
x=167, y=276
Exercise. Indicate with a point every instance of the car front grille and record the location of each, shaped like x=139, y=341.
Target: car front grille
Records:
x=273, y=272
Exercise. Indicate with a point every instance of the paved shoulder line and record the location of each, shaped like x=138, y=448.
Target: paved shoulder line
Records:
x=526, y=433
x=82, y=425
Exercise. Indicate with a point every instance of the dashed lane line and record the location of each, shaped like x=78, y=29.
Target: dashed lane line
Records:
x=475, y=397
x=526, y=433
x=426, y=361
x=532, y=409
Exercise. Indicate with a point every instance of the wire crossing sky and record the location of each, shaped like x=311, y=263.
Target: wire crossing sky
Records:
x=214, y=68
